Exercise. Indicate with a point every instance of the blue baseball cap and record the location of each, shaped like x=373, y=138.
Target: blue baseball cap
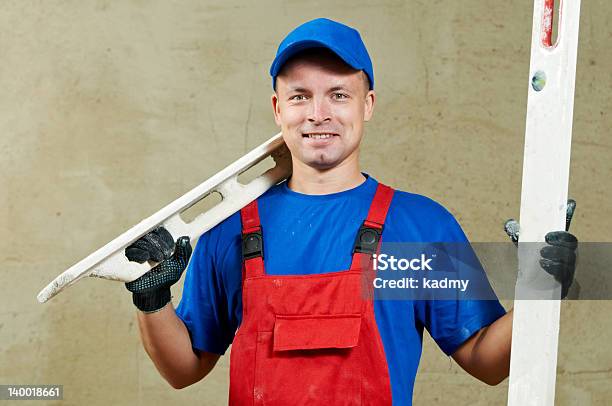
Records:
x=343, y=40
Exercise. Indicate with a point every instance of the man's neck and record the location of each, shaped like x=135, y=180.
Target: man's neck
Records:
x=313, y=181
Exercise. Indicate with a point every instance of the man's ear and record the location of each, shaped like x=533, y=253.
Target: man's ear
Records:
x=369, y=105
x=276, y=109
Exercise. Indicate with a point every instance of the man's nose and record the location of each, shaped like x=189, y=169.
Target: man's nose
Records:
x=320, y=111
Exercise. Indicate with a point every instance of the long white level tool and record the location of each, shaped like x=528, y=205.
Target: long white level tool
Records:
x=110, y=262
x=546, y=164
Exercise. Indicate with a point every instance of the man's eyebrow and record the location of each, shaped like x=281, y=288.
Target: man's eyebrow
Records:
x=298, y=89
x=338, y=87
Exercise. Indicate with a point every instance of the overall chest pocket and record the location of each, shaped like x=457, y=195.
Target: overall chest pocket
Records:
x=309, y=359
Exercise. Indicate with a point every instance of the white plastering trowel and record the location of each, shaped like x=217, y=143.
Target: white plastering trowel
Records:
x=110, y=262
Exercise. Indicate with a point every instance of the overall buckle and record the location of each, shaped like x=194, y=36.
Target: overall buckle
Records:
x=252, y=244
x=367, y=239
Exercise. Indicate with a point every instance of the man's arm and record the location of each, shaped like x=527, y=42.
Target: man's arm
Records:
x=164, y=335
x=486, y=355
x=167, y=341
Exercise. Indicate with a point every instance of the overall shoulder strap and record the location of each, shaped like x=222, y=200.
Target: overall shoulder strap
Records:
x=369, y=235
x=252, y=241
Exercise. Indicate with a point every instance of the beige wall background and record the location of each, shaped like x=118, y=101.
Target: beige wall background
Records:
x=111, y=109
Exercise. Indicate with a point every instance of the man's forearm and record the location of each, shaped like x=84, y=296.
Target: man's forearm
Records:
x=486, y=355
x=167, y=341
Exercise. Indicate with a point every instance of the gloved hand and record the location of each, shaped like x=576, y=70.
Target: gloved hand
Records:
x=151, y=292
x=558, y=258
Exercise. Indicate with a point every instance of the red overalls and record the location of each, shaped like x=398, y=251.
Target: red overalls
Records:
x=309, y=339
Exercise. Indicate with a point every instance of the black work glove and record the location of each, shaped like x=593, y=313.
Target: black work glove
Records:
x=558, y=258
x=151, y=291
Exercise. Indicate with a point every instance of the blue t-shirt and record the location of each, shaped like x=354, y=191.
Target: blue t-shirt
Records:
x=308, y=234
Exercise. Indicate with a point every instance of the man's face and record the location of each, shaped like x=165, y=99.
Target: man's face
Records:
x=321, y=104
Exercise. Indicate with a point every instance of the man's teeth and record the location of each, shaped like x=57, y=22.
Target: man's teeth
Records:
x=320, y=136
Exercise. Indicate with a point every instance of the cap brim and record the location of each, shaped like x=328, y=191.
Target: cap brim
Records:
x=299, y=46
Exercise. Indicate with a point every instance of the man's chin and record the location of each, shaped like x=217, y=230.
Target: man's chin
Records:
x=323, y=160
x=323, y=164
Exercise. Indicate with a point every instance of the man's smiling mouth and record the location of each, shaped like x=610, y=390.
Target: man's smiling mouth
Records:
x=319, y=135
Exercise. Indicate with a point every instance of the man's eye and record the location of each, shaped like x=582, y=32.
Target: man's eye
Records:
x=298, y=97
x=340, y=96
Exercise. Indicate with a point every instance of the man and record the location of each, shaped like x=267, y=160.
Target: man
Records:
x=302, y=332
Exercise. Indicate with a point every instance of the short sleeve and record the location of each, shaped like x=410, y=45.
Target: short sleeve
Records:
x=451, y=322
x=205, y=304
